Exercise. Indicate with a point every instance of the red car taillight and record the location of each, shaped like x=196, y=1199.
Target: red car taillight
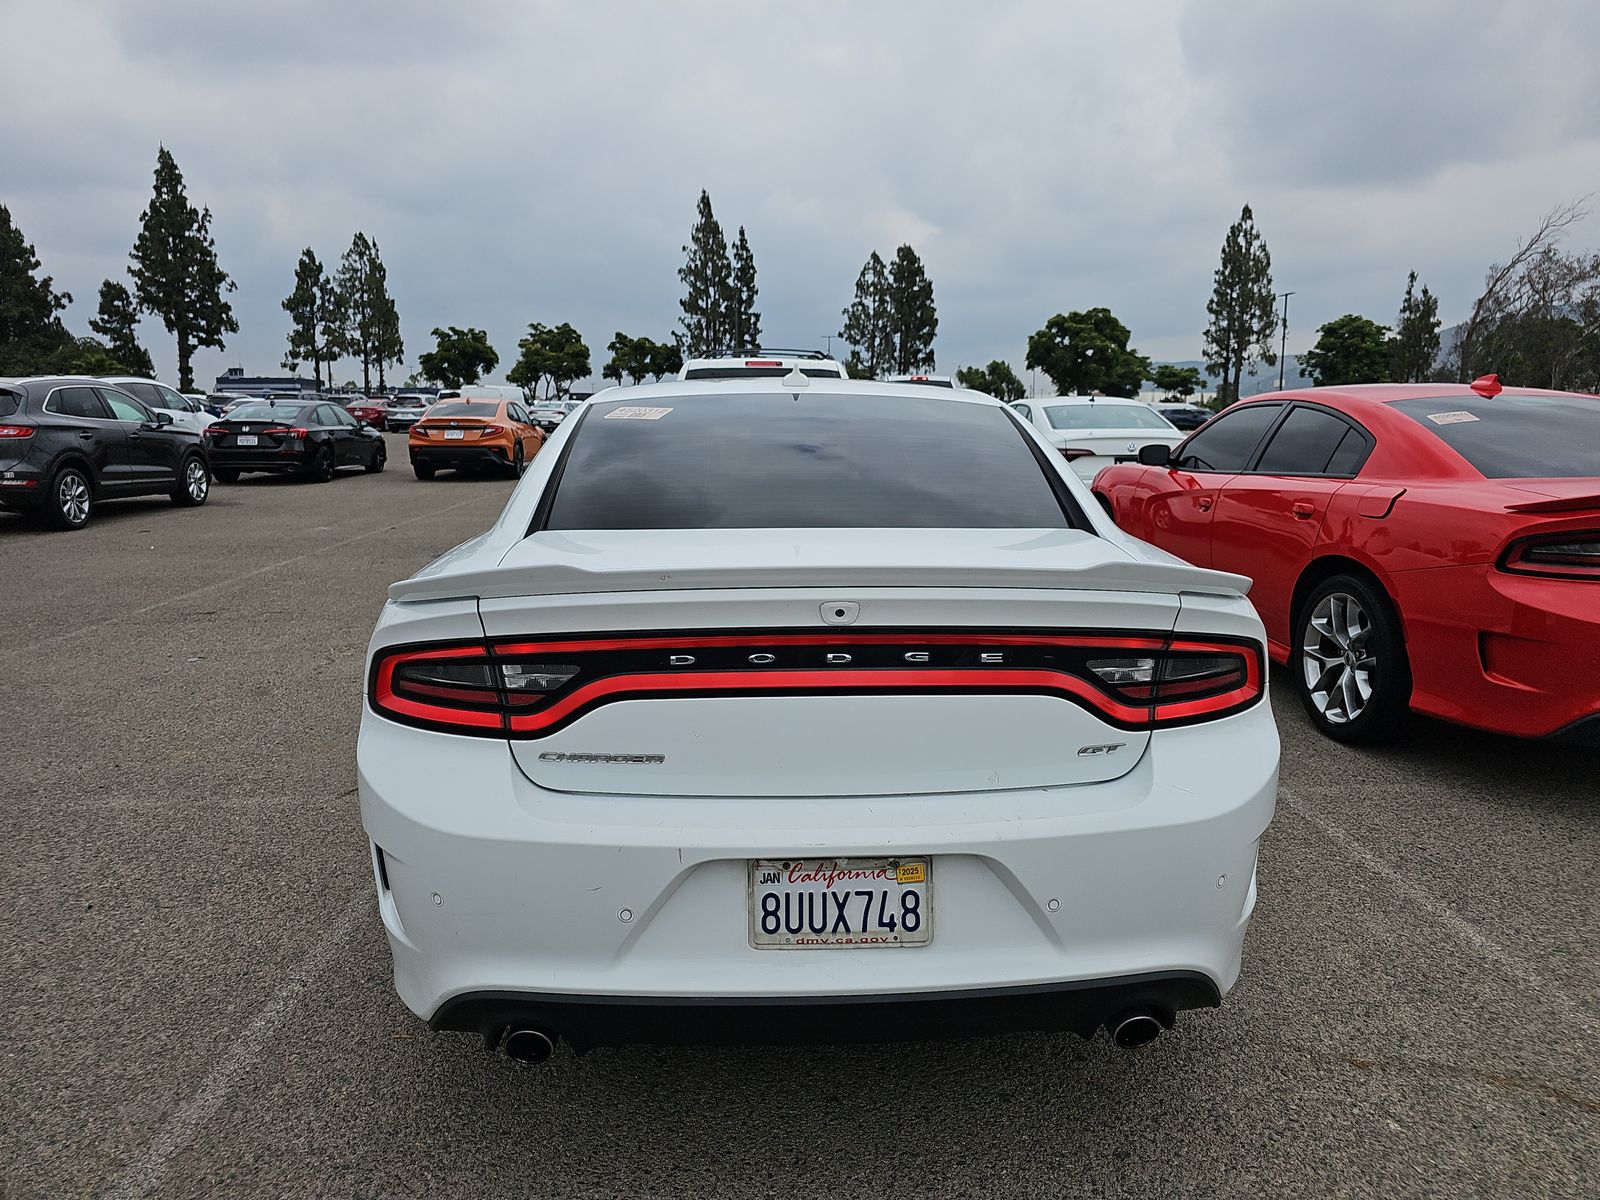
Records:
x=16, y=431
x=531, y=689
x=1073, y=453
x=1558, y=555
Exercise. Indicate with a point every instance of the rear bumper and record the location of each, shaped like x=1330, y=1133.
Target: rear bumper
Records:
x=460, y=456
x=252, y=460
x=1079, y=1006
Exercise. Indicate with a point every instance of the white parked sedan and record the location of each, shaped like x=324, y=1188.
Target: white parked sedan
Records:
x=1095, y=431
x=811, y=709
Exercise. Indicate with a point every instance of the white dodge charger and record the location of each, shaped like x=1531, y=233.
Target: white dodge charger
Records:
x=797, y=709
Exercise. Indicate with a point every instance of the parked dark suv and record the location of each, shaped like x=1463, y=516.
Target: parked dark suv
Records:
x=66, y=444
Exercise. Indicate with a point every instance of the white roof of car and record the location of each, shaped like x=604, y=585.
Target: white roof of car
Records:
x=655, y=394
x=759, y=361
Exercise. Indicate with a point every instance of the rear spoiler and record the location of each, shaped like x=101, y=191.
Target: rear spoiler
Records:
x=1557, y=504
x=552, y=579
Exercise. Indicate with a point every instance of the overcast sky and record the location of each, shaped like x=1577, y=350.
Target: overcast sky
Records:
x=540, y=161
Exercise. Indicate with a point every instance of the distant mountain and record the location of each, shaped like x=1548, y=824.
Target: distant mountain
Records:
x=1264, y=380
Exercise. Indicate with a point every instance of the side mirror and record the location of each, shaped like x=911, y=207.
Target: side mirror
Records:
x=1156, y=454
x=158, y=420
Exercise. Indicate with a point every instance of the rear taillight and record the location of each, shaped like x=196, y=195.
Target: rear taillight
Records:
x=488, y=431
x=532, y=689
x=1573, y=555
x=1073, y=453
x=292, y=433
x=16, y=431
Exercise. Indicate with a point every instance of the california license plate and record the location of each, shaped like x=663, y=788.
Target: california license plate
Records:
x=248, y=439
x=454, y=434
x=831, y=903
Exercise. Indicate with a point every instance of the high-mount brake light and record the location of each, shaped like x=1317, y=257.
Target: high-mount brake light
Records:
x=762, y=362
x=1574, y=555
x=529, y=689
x=16, y=431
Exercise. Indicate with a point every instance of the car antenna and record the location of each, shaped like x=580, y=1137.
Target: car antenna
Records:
x=796, y=378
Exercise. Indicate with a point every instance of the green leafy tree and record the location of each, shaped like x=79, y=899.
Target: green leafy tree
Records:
x=175, y=271
x=554, y=357
x=1243, y=316
x=1415, y=344
x=117, y=321
x=1087, y=352
x=744, y=322
x=371, y=323
x=867, y=328
x=30, y=330
x=997, y=379
x=315, y=321
x=459, y=357
x=1349, y=349
x=913, y=320
x=1177, y=381
x=634, y=358
x=87, y=356
x=707, y=276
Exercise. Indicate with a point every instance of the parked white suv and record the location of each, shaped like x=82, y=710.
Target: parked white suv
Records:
x=187, y=412
x=832, y=711
x=764, y=364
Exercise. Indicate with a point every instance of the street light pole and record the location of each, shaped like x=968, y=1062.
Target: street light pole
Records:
x=1283, y=346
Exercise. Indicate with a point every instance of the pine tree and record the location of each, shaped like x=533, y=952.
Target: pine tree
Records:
x=1415, y=344
x=309, y=307
x=175, y=271
x=744, y=322
x=30, y=330
x=913, y=320
x=867, y=328
x=708, y=277
x=118, y=322
x=371, y=321
x=1243, y=316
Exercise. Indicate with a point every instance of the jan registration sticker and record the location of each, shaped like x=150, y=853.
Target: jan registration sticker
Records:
x=633, y=413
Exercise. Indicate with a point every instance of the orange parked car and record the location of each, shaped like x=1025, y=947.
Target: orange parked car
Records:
x=474, y=433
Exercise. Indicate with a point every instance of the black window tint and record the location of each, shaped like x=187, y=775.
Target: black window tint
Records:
x=148, y=392
x=1516, y=437
x=1303, y=444
x=1228, y=441
x=1350, y=455
x=466, y=408
x=9, y=403
x=79, y=402
x=771, y=461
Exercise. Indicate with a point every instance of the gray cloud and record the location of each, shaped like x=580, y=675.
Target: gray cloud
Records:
x=522, y=162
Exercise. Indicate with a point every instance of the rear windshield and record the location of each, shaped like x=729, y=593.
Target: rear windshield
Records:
x=9, y=403
x=1105, y=416
x=262, y=411
x=464, y=408
x=1516, y=437
x=757, y=372
x=774, y=461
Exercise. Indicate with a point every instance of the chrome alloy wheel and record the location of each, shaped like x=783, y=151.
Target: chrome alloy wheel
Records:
x=1337, y=658
x=195, y=480
x=72, y=496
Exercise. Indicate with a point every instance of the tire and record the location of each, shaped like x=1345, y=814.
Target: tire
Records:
x=518, y=463
x=194, y=483
x=423, y=470
x=71, y=498
x=1349, y=663
x=380, y=456
x=320, y=468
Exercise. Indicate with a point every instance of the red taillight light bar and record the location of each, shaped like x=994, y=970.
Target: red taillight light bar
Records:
x=528, y=689
x=16, y=431
x=762, y=362
x=1574, y=555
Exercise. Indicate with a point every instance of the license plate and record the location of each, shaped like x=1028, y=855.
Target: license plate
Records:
x=454, y=435
x=834, y=903
x=248, y=439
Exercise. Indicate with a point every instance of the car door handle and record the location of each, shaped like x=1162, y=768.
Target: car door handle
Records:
x=1304, y=510
x=86, y=434
x=1203, y=503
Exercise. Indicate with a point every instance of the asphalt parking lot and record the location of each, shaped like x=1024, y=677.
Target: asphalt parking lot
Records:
x=197, y=984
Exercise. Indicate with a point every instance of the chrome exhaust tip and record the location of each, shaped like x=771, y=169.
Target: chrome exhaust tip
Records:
x=1135, y=1028
x=529, y=1045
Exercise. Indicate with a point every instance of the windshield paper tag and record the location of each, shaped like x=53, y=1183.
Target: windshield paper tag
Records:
x=1451, y=418
x=647, y=414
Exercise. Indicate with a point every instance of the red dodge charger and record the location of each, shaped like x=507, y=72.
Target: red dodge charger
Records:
x=1427, y=547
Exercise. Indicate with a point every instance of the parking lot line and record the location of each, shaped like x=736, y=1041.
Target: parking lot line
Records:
x=145, y=1172
x=31, y=647
x=1545, y=989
